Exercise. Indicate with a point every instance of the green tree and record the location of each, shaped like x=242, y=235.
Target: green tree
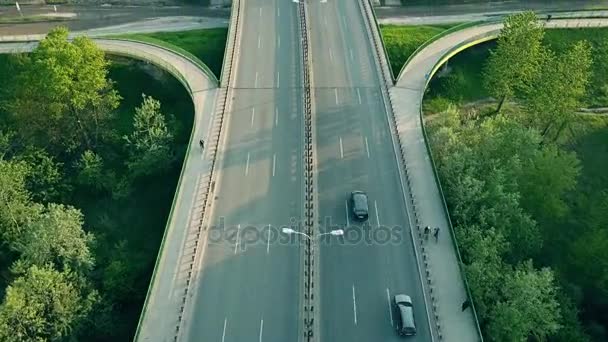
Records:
x=150, y=143
x=44, y=179
x=43, y=305
x=589, y=260
x=90, y=170
x=56, y=238
x=64, y=99
x=550, y=174
x=598, y=96
x=528, y=307
x=558, y=89
x=484, y=268
x=16, y=209
x=517, y=57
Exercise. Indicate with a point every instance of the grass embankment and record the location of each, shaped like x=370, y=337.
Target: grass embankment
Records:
x=402, y=41
x=205, y=45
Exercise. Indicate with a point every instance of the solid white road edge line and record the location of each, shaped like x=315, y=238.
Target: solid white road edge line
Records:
x=377, y=215
x=224, y=332
x=336, y=93
x=268, y=241
x=274, y=163
x=261, y=329
x=367, y=147
x=256, y=80
x=331, y=55
x=347, y=223
x=359, y=95
x=259, y=41
x=341, y=149
x=247, y=165
x=252, y=115
x=276, y=116
x=354, y=304
x=388, y=301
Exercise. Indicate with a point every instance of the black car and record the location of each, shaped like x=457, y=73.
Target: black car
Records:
x=358, y=203
x=405, y=323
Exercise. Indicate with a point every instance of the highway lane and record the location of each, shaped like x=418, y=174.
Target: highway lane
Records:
x=249, y=287
x=360, y=275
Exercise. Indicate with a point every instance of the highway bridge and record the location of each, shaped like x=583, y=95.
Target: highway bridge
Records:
x=306, y=111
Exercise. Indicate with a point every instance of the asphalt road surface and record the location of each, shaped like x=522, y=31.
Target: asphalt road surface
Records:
x=250, y=284
x=358, y=276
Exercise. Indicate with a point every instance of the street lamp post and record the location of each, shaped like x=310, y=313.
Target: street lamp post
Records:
x=337, y=232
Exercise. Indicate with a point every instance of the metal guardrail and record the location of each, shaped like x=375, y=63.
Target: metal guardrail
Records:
x=169, y=47
x=556, y=15
x=309, y=189
x=437, y=37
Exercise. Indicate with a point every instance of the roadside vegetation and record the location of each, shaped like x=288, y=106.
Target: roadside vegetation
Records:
x=525, y=177
x=89, y=161
x=207, y=45
x=402, y=41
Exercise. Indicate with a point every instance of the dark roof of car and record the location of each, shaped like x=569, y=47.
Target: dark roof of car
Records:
x=360, y=200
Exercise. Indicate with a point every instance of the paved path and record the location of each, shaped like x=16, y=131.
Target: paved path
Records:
x=165, y=297
x=446, y=280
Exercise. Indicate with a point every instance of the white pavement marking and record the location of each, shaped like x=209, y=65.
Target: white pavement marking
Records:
x=278, y=79
x=354, y=304
x=268, y=241
x=359, y=95
x=261, y=329
x=274, y=163
x=224, y=333
x=341, y=149
x=256, y=80
x=347, y=223
x=278, y=11
x=279, y=39
x=331, y=55
x=276, y=116
x=377, y=215
x=252, y=115
x=336, y=93
x=388, y=301
x=352, y=56
x=366, y=147
x=260, y=11
x=259, y=42
x=325, y=21
x=247, y=165
x=236, y=245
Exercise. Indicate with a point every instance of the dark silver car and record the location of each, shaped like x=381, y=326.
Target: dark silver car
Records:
x=405, y=324
x=358, y=203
